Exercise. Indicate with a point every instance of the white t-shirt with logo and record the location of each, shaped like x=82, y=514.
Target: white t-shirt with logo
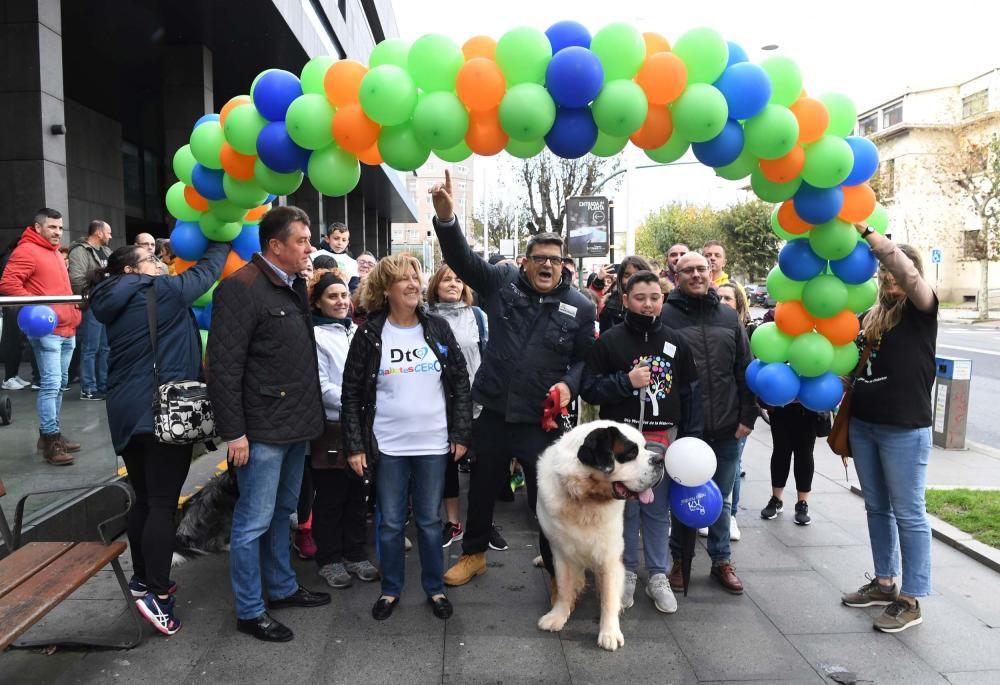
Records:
x=410, y=416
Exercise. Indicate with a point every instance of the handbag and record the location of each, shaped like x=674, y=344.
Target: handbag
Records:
x=838, y=439
x=182, y=412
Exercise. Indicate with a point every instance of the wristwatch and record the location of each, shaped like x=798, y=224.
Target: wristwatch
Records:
x=867, y=232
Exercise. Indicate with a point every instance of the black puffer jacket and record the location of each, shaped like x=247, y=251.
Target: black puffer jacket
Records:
x=536, y=340
x=717, y=340
x=261, y=363
x=613, y=312
x=357, y=413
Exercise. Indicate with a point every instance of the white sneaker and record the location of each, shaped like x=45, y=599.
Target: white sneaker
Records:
x=734, y=529
x=658, y=590
x=14, y=383
x=703, y=532
x=628, y=594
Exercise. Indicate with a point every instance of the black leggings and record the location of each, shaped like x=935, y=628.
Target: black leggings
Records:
x=793, y=431
x=156, y=473
x=339, y=511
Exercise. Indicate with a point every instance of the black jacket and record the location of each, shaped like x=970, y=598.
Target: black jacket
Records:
x=613, y=312
x=536, y=340
x=261, y=366
x=357, y=412
x=674, y=395
x=721, y=352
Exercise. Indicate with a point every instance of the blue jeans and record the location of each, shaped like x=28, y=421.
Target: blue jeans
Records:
x=397, y=480
x=655, y=518
x=727, y=470
x=737, y=482
x=892, y=466
x=93, y=337
x=53, y=354
x=259, y=545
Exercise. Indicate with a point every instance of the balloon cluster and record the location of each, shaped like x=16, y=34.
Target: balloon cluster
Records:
x=695, y=499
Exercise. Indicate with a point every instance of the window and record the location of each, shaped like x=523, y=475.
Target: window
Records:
x=975, y=104
x=892, y=115
x=971, y=248
x=887, y=178
x=868, y=125
x=461, y=185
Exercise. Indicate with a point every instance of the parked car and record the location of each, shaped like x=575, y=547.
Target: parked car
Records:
x=759, y=297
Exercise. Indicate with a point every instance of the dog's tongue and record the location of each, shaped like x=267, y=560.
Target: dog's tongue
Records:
x=646, y=496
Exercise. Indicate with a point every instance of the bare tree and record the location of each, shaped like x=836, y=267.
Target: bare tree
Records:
x=549, y=180
x=978, y=176
x=504, y=220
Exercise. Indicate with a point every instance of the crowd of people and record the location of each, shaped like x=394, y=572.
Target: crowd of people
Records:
x=339, y=382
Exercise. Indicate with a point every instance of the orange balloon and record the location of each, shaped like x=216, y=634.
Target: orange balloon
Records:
x=371, y=156
x=790, y=219
x=480, y=46
x=194, y=199
x=859, y=203
x=255, y=214
x=233, y=264
x=342, y=82
x=840, y=329
x=480, y=84
x=181, y=265
x=231, y=105
x=784, y=169
x=813, y=118
x=792, y=318
x=662, y=77
x=655, y=43
x=353, y=130
x=485, y=135
x=655, y=130
x=235, y=164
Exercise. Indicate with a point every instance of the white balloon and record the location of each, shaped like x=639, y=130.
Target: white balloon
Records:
x=690, y=461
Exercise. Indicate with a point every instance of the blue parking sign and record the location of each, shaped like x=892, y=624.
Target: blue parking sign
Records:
x=936, y=255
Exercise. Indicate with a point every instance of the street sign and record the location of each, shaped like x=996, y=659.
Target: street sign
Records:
x=507, y=247
x=937, y=255
x=587, y=225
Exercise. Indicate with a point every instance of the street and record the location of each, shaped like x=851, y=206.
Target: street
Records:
x=982, y=346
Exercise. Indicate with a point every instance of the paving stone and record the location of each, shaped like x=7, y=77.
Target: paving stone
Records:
x=485, y=658
x=874, y=657
x=950, y=639
x=803, y=602
x=973, y=677
x=640, y=660
x=970, y=586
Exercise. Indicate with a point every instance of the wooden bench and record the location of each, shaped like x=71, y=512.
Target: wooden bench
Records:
x=35, y=578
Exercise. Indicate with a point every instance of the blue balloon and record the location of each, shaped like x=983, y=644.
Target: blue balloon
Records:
x=747, y=89
x=736, y=54
x=723, y=149
x=777, y=384
x=247, y=242
x=821, y=393
x=564, y=34
x=270, y=199
x=798, y=261
x=751, y=374
x=696, y=506
x=865, y=160
x=574, y=77
x=818, y=205
x=278, y=151
x=274, y=92
x=187, y=241
x=208, y=182
x=857, y=267
x=205, y=118
x=573, y=134
x=37, y=321
x=203, y=315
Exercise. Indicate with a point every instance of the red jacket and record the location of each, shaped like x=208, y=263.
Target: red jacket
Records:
x=36, y=267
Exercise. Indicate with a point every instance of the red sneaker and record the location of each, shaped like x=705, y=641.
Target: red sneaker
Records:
x=304, y=544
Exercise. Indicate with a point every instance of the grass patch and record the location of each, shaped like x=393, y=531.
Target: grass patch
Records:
x=976, y=512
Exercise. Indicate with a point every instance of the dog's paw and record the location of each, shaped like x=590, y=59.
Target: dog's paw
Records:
x=610, y=639
x=552, y=622
x=537, y=562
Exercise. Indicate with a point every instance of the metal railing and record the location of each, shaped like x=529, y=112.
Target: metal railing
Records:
x=26, y=300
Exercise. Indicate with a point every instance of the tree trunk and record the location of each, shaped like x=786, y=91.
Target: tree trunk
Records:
x=984, y=289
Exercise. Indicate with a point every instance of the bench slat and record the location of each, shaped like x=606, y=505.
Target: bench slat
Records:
x=31, y=600
x=28, y=560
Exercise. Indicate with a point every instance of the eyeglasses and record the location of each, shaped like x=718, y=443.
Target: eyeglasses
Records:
x=146, y=244
x=688, y=270
x=367, y=264
x=540, y=259
x=148, y=258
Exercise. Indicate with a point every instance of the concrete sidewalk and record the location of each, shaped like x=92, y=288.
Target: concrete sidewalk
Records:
x=788, y=627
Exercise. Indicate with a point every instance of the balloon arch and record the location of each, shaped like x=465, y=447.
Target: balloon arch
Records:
x=575, y=94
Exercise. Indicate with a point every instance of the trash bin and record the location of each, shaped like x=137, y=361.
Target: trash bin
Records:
x=951, y=401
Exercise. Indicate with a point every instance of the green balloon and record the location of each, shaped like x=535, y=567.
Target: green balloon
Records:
x=786, y=80
x=388, y=95
x=824, y=296
x=204, y=343
x=275, y=182
x=845, y=359
x=226, y=211
x=621, y=50
x=184, y=163
x=202, y=301
x=527, y=112
x=782, y=288
x=861, y=297
x=810, y=355
x=206, y=143
x=843, y=114
x=314, y=72
x=769, y=191
x=309, y=121
x=178, y=206
x=828, y=162
x=777, y=228
x=878, y=219
x=243, y=124
x=456, y=153
x=400, y=148
x=440, y=120
x=434, y=61
x=247, y=194
x=608, y=146
x=620, y=108
x=390, y=51
x=769, y=344
x=833, y=240
x=672, y=150
x=700, y=113
x=523, y=55
x=219, y=230
x=334, y=171
x=704, y=52
x=772, y=133
x=742, y=167
x=525, y=149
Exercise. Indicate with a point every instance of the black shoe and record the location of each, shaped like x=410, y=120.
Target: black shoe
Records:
x=802, y=513
x=441, y=607
x=773, y=508
x=383, y=608
x=301, y=598
x=264, y=628
x=92, y=395
x=496, y=540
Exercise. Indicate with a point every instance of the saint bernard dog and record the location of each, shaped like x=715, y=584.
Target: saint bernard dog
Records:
x=583, y=482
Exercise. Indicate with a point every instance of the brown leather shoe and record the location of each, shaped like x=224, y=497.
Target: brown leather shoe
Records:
x=53, y=451
x=726, y=575
x=68, y=445
x=676, y=577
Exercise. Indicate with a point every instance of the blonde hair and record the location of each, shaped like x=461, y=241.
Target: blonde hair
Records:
x=388, y=270
x=666, y=286
x=888, y=311
x=435, y=283
x=742, y=310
